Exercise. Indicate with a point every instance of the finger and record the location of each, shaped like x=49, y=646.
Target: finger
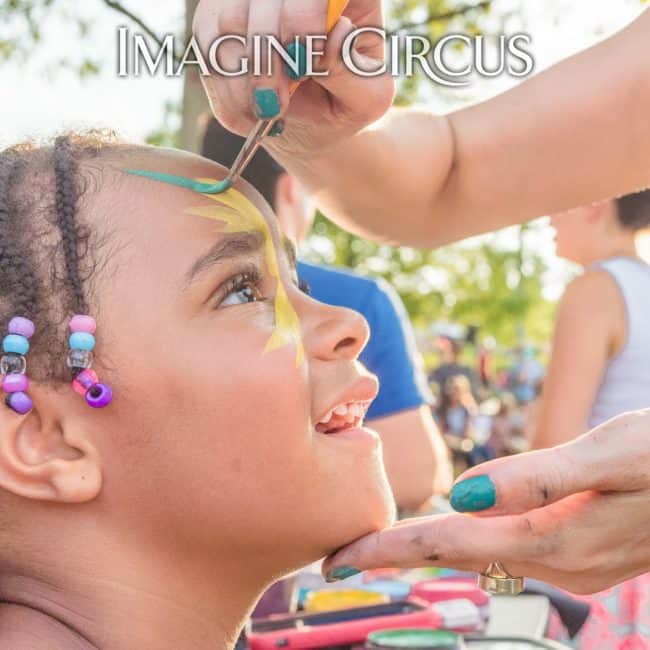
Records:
x=302, y=18
x=535, y=479
x=345, y=85
x=455, y=541
x=229, y=96
x=270, y=79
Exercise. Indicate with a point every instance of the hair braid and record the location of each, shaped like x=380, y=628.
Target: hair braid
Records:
x=17, y=283
x=65, y=171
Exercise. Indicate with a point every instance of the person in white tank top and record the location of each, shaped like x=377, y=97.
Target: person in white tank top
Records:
x=600, y=368
x=600, y=358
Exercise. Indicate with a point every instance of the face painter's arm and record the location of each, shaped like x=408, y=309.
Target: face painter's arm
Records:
x=576, y=516
x=572, y=134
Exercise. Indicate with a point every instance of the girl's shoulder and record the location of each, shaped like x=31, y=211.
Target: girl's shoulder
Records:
x=595, y=287
x=594, y=301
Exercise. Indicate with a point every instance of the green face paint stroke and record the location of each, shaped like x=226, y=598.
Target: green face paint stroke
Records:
x=181, y=181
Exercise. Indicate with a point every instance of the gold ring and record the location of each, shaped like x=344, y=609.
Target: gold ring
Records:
x=496, y=580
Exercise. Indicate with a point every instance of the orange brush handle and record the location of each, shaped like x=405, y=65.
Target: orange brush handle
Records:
x=335, y=9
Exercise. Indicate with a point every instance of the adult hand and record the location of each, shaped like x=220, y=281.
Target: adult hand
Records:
x=576, y=516
x=324, y=109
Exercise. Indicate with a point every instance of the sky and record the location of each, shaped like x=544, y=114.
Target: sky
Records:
x=39, y=96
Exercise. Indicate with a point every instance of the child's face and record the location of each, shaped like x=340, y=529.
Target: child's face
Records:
x=571, y=230
x=210, y=442
x=583, y=234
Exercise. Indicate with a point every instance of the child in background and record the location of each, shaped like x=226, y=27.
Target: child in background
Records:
x=600, y=368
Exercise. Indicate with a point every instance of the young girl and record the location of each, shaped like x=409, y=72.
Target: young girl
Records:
x=600, y=368
x=232, y=451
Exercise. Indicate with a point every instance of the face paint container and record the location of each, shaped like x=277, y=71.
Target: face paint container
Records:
x=415, y=639
x=329, y=601
x=394, y=589
x=440, y=591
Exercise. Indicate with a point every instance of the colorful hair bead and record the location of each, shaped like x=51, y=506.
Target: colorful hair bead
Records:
x=82, y=341
x=15, y=383
x=22, y=326
x=13, y=364
x=85, y=381
x=85, y=324
x=99, y=396
x=19, y=402
x=15, y=343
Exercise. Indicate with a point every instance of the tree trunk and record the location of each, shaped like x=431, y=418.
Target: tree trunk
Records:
x=195, y=103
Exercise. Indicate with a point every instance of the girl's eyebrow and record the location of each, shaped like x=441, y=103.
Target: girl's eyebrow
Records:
x=227, y=247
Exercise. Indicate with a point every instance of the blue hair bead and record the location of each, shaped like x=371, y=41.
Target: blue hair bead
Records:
x=82, y=341
x=16, y=344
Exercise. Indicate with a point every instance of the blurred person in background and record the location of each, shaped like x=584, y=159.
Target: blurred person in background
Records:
x=507, y=430
x=526, y=374
x=457, y=414
x=452, y=366
x=600, y=367
x=415, y=456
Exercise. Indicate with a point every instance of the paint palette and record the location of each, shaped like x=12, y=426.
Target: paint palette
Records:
x=339, y=628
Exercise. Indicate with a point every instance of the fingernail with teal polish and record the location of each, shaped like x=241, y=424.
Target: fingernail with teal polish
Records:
x=473, y=494
x=267, y=103
x=298, y=53
x=341, y=573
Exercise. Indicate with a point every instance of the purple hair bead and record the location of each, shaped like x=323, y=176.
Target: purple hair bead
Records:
x=99, y=396
x=19, y=402
x=22, y=327
x=15, y=383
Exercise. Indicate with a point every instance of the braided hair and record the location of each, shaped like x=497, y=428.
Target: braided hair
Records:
x=15, y=277
x=46, y=252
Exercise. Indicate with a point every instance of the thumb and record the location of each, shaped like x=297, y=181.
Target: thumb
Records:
x=357, y=95
x=591, y=462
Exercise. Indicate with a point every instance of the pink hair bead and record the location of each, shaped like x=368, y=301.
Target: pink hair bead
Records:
x=21, y=326
x=84, y=381
x=81, y=323
x=15, y=383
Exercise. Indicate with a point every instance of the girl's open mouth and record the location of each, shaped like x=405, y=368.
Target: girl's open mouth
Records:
x=343, y=417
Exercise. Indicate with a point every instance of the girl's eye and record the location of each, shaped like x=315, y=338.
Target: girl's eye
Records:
x=240, y=296
x=240, y=290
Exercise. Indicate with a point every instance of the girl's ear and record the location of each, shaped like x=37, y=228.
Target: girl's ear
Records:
x=47, y=457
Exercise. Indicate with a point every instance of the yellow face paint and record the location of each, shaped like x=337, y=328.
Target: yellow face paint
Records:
x=240, y=215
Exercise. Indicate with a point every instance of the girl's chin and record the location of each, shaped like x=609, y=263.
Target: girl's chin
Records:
x=375, y=512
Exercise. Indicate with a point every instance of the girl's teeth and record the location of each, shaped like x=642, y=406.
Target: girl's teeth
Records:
x=348, y=412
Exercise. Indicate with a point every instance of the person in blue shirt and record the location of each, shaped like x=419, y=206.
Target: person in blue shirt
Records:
x=415, y=456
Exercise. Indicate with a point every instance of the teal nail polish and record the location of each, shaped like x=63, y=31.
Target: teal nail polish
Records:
x=341, y=573
x=298, y=53
x=267, y=103
x=473, y=494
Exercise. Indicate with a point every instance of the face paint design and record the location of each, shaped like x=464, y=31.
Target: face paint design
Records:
x=211, y=187
x=240, y=215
